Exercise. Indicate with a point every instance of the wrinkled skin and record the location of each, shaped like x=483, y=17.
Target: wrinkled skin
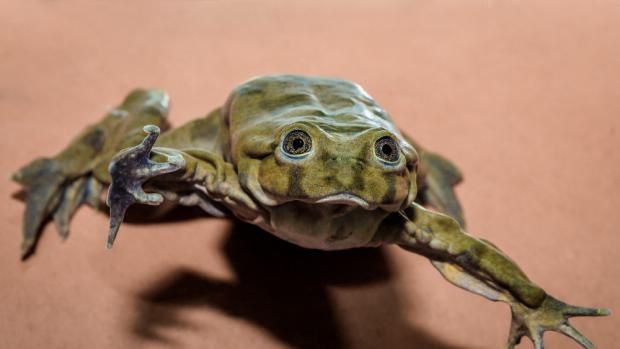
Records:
x=315, y=161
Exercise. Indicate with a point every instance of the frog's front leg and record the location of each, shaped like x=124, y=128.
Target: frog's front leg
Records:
x=480, y=267
x=206, y=172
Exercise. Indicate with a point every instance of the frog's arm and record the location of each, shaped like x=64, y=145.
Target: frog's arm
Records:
x=204, y=174
x=478, y=266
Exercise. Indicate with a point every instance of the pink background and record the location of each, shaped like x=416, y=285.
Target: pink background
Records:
x=522, y=95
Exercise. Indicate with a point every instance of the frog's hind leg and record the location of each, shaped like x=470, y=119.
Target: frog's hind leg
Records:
x=55, y=187
x=479, y=267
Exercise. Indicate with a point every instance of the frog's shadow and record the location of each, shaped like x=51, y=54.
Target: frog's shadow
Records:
x=283, y=289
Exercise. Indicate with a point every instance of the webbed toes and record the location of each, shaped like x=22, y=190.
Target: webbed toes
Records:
x=552, y=315
x=51, y=193
x=129, y=169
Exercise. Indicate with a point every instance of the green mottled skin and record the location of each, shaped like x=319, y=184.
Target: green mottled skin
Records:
x=338, y=194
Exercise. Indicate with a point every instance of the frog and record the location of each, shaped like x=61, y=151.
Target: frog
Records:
x=315, y=161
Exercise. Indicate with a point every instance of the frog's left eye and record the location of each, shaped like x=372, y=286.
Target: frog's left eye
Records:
x=297, y=142
x=386, y=149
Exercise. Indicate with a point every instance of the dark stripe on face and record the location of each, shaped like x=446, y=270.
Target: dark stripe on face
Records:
x=358, y=184
x=359, y=166
x=295, y=175
x=331, y=181
x=390, y=195
x=326, y=158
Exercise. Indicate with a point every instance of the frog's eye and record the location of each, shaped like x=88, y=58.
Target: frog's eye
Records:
x=297, y=142
x=386, y=149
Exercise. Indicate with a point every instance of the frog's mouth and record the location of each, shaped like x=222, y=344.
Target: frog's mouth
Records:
x=346, y=199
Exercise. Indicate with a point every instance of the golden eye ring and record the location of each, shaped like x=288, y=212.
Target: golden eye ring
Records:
x=387, y=149
x=297, y=142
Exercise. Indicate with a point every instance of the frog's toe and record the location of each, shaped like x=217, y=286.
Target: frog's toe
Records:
x=118, y=201
x=73, y=195
x=576, y=336
x=515, y=335
x=572, y=310
x=40, y=202
x=42, y=180
x=515, y=338
x=129, y=170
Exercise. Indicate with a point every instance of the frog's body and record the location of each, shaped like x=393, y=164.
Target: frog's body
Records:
x=315, y=161
x=328, y=198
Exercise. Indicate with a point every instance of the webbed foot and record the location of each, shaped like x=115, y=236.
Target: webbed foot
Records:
x=129, y=169
x=52, y=191
x=552, y=315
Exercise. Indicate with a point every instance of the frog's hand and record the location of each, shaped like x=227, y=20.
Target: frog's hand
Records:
x=53, y=191
x=129, y=169
x=482, y=268
x=213, y=180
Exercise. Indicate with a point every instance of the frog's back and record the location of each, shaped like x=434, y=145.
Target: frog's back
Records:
x=329, y=103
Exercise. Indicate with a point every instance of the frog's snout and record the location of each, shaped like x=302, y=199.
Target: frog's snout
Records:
x=151, y=101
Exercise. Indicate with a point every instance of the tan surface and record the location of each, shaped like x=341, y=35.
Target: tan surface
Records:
x=523, y=96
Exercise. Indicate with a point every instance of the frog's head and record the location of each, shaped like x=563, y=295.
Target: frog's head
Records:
x=325, y=143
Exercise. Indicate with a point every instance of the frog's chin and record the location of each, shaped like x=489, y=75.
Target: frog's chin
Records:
x=325, y=226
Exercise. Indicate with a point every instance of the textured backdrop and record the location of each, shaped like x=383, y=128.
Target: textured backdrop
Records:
x=523, y=96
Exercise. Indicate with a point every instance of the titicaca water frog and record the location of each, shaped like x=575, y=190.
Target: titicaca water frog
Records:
x=315, y=161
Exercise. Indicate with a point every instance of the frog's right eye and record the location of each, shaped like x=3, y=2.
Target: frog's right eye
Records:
x=387, y=150
x=297, y=142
